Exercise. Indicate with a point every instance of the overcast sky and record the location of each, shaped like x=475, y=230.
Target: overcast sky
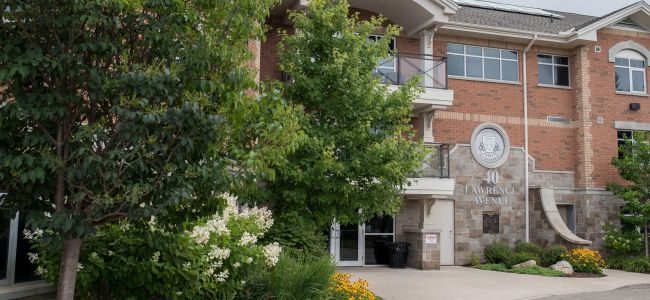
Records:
x=587, y=7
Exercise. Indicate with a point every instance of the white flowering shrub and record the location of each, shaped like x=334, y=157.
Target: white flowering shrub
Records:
x=210, y=259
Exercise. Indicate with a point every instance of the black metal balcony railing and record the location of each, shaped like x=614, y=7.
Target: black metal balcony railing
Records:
x=430, y=71
x=436, y=164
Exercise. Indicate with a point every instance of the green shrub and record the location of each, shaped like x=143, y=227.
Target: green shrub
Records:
x=475, y=259
x=497, y=253
x=552, y=254
x=296, y=276
x=291, y=230
x=628, y=242
x=637, y=265
x=528, y=248
x=493, y=267
x=616, y=262
x=520, y=257
x=538, y=271
x=210, y=259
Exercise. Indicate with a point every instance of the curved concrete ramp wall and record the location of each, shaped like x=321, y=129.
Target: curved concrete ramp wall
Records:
x=553, y=216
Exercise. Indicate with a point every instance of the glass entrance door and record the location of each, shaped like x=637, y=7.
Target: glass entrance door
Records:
x=378, y=232
x=366, y=244
x=347, y=244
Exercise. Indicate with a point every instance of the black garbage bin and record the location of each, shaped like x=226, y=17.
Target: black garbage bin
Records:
x=397, y=254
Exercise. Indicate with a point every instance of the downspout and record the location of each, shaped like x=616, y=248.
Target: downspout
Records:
x=526, y=184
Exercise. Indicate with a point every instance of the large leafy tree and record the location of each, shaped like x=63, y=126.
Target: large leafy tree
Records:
x=359, y=148
x=119, y=109
x=634, y=166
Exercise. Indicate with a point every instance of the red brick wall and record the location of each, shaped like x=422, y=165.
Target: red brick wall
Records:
x=611, y=106
x=554, y=147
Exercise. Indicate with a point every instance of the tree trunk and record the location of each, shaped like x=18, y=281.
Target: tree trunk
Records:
x=68, y=268
x=645, y=239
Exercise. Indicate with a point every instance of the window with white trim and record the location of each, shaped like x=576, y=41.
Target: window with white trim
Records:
x=388, y=65
x=552, y=70
x=482, y=62
x=621, y=137
x=630, y=72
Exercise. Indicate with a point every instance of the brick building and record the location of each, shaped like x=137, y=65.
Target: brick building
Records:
x=523, y=109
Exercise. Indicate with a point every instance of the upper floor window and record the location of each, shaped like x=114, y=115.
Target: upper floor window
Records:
x=630, y=72
x=552, y=70
x=482, y=62
x=387, y=65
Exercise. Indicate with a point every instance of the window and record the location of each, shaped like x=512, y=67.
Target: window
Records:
x=621, y=136
x=385, y=66
x=552, y=70
x=15, y=266
x=630, y=72
x=482, y=62
x=567, y=213
x=379, y=231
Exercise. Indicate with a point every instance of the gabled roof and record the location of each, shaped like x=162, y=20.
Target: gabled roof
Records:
x=563, y=27
x=519, y=21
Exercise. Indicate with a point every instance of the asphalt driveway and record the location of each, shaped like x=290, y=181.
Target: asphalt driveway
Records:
x=451, y=283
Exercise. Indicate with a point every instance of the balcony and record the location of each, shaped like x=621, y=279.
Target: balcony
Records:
x=430, y=72
x=433, y=177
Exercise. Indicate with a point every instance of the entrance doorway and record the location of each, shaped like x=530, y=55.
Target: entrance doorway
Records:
x=442, y=217
x=361, y=245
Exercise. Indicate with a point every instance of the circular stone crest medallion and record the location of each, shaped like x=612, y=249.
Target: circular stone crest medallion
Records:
x=490, y=145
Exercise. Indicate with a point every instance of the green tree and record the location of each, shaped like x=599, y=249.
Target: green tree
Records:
x=359, y=148
x=634, y=166
x=127, y=109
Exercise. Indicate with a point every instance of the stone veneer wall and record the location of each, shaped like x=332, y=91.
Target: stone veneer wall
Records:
x=469, y=234
x=421, y=255
x=591, y=208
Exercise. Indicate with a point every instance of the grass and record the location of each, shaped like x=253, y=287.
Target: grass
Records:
x=528, y=271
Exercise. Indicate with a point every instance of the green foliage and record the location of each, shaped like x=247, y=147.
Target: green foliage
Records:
x=537, y=270
x=520, y=257
x=497, y=253
x=552, y=254
x=622, y=242
x=616, y=262
x=294, y=231
x=147, y=260
x=528, y=271
x=529, y=248
x=475, y=260
x=295, y=276
x=358, y=151
x=118, y=109
x=634, y=167
x=637, y=265
x=493, y=267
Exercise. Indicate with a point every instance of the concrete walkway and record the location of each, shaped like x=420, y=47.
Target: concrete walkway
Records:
x=451, y=283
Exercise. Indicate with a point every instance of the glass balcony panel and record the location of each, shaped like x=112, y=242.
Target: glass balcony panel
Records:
x=428, y=71
x=436, y=164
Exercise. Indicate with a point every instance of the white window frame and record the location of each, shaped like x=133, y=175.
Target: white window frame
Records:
x=483, y=58
x=553, y=64
x=630, y=72
x=11, y=251
x=376, y=37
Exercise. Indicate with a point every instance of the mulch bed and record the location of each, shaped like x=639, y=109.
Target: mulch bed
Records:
x=584, y=275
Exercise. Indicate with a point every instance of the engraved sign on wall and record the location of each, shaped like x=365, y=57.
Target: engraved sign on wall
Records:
x=490, y=222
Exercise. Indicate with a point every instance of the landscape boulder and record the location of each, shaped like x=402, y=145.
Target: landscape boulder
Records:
x=526, y=264
x=563, y=266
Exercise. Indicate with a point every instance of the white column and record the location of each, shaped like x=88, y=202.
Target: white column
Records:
x=426, y=48
x=425, y=127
